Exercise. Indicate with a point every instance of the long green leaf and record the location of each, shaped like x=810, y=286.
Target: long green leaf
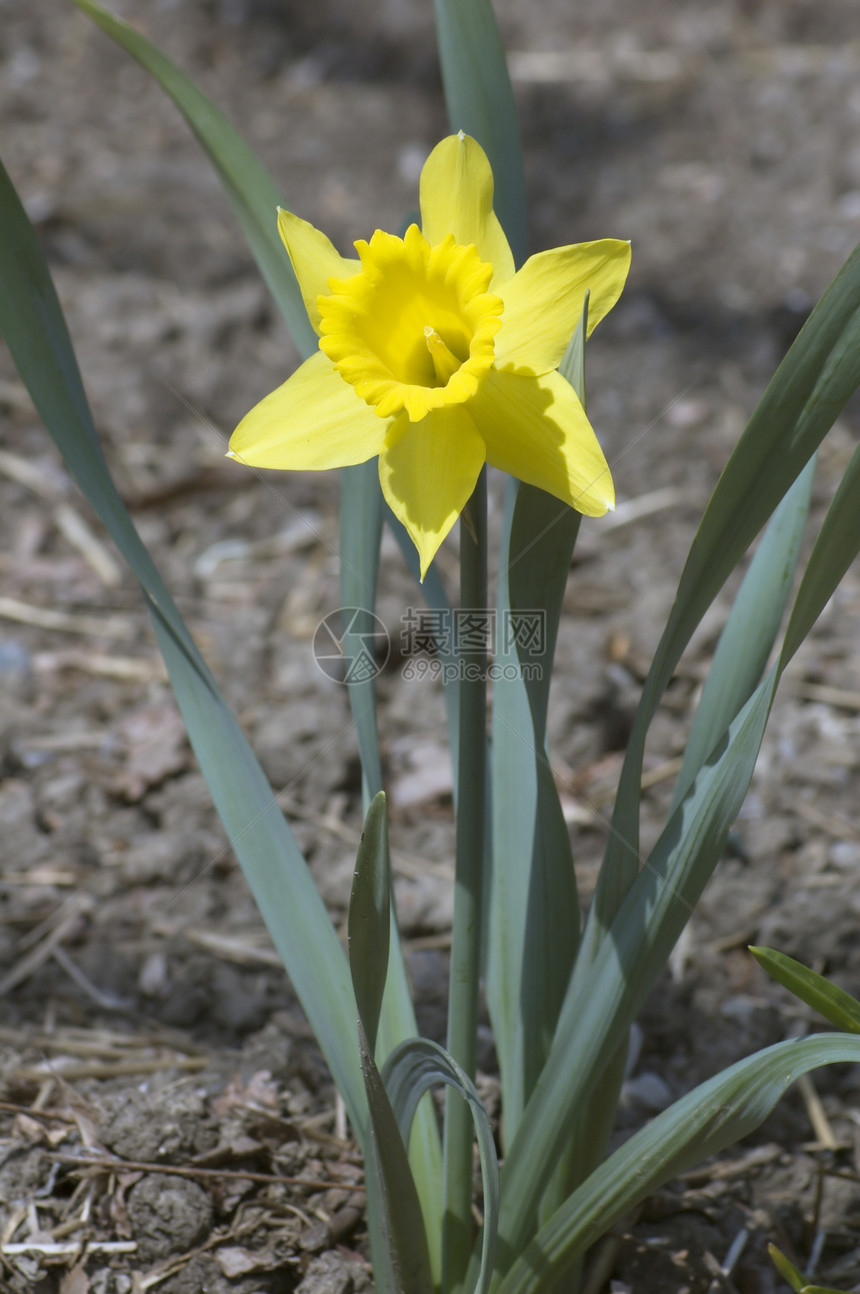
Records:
x=533, y=917
x=34, y=328
x=409, y=1073
x=361, y=517
x=401, y=1259
x=532, y=910
x=706, y=1121
x=369, y=918
x=751, y=629
x=480, y=101
x=361, y=511
x=602, y=1000
x=810, y=388
x=837, y=1006
x=835, y=548
x=597, y=1013
x=246, y=181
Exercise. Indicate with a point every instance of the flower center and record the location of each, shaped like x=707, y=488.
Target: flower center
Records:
x=413, y=329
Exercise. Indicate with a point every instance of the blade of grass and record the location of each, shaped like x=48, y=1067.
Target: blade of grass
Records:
x=32, y=323
x=786, y=1269
x=837, y=1006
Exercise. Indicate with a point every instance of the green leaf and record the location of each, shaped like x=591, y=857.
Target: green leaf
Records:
x=370, y=917
x=809, y=390
x=533, y=912
x=837, y=1006
x=401, y=1260
x=532, y=909
x=572, y=365
x=604, y=996
x=360, y=535
x=410, y=1072
x=796, y=1279
x=480, y=101
x=32, y=323
x=247, y=183
x=711, y=1117
x=606, y=992
x=835, y=548
x=361, y=510
x=751, y=629
x=786, y=1269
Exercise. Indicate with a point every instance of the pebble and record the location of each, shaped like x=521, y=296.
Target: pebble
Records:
x=647, y=1092
x=844, y=855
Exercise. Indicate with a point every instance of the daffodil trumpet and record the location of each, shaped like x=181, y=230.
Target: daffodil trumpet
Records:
x=437, y=356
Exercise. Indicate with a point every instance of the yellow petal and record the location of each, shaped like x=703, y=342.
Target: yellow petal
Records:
x=314, y=259
x=536, y=429
x=457, y=198
x=428, y=470
x=314, y=421
x=543, y=301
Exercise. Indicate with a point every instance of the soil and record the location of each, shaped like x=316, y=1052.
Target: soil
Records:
x=167, y=1122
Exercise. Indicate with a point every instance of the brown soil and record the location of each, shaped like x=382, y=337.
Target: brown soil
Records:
x=146, y=1026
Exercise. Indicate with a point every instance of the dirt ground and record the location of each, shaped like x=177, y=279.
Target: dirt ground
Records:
x=145, y=1026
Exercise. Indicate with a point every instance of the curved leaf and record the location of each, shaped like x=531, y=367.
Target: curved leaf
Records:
x=34, y=328
x=836, y=546
x=810, y=388
x=706, y=1121
x=413, y=1069
x=750, y=631
x=604, y=998
x=401, y=1258
x=532, y=909
x=837, y=1006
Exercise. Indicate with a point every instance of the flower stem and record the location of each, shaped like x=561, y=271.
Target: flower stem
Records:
x=466, y=933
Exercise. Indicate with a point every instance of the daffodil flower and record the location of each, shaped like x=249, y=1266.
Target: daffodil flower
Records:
x=437, y=357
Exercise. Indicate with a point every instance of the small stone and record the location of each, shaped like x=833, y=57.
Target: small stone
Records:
x=647, y=1092
x=844, y=855
x=169, y=1215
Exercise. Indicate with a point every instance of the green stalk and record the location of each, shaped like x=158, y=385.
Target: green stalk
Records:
x=466, y=933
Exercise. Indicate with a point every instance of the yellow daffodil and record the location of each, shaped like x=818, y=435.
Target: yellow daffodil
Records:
x=438, y=357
